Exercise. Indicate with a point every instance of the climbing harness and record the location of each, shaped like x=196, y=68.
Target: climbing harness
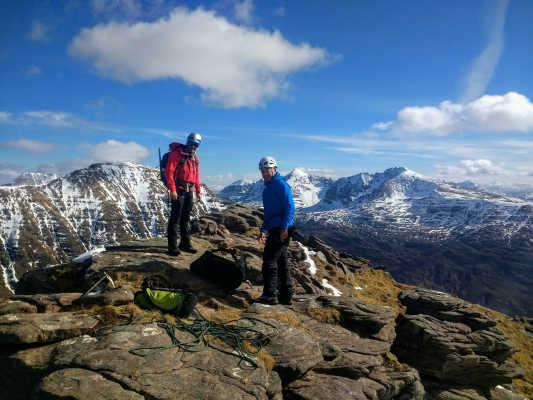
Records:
x=233, y=333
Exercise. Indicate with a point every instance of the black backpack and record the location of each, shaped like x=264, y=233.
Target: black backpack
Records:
x=164, y=160
x=213, y=266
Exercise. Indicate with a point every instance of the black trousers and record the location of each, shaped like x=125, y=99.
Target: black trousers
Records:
x=276, y=265
x=178, y=222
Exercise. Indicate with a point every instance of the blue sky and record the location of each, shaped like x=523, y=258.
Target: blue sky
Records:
x=442, y=87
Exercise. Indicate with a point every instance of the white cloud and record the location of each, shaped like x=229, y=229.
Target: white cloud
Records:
x=491, y=113
x=243, y=11
x=10, y=172
x=52, y=119
x=217, y=180
x=280, y=11
x=114, y=151
x=63, y=167
x=327, y=171
x=5, y=117
x=483, y=68
x=481, y=168
x=34, y=70
x=105, y=107
x=39, y=31
x=235, y=66
x=32, y=146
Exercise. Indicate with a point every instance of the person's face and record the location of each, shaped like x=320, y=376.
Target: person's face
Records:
x=268, y=173
x=192, y=147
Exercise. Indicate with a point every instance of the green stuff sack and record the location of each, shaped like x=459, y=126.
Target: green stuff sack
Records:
x=157, y=293
x=166, y=300
x=142, y=301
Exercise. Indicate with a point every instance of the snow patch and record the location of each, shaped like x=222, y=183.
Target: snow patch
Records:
x=308, y=259
x=88, y=255
x=326, y=284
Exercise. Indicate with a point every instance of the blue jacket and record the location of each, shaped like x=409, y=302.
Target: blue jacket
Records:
x=278, y=204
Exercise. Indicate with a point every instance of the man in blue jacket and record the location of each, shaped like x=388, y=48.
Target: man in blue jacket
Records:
x=279, y=211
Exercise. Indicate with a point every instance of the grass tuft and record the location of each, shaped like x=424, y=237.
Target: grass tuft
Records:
x=291, y=320
x=330, y=316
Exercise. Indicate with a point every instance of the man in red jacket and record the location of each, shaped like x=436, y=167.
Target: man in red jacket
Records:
x=182, y=174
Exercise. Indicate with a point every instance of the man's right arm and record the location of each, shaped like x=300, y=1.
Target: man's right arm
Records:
x=173, y=162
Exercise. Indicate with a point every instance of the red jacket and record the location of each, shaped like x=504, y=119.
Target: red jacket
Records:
x=188, y=173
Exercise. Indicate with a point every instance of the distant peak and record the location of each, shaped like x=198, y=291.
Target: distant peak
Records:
x=300, y=171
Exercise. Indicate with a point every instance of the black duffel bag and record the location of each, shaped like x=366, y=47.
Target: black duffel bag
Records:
x=218, y=267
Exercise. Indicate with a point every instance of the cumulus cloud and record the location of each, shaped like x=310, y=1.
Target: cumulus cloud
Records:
x=9, y=172
x=39, y=31
x=114, y=151
x=481, y=168
x=31, y=146
x=491, y=113
x=483, y=67
x=234, y=66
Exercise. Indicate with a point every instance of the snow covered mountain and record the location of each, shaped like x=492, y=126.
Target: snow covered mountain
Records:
x=100, y=205
x=470, y=240
x=235, y=191
x=402, y=202
x=306, y=189
x=463, y=239
x=34, y=179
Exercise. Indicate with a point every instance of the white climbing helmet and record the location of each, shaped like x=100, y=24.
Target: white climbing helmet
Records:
x=268, y=162
x=194, y=138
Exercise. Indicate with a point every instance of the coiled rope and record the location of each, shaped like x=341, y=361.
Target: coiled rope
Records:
x=233, y=334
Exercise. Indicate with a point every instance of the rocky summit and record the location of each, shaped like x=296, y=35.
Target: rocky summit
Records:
x=352, y=332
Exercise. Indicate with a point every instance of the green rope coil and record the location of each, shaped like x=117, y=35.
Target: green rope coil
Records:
x=233, y=333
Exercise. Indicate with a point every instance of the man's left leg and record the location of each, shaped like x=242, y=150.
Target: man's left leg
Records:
x=284, y=274
x=185, y=236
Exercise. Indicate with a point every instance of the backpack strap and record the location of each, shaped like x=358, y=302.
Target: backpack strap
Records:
x=183, y=160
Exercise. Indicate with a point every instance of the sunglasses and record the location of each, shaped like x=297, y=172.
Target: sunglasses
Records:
x=193, y=144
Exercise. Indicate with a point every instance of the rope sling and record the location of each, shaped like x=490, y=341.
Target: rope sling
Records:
x=232, y=333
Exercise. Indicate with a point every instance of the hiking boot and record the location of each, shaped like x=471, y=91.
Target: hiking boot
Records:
x=173, y=252
x=266, y=300
x=284, y=301
x=187, y=248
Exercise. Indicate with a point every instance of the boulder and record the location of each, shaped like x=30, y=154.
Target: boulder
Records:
x=22, y=367
x=122, y=295
x=17, y=307
x=294, y=350
x=443, y=306
x=40, y=328
x=447, y=351
x=49, y=303
x=164, y=375
x=385, y=384
x=80, y=384
x=361, y=317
